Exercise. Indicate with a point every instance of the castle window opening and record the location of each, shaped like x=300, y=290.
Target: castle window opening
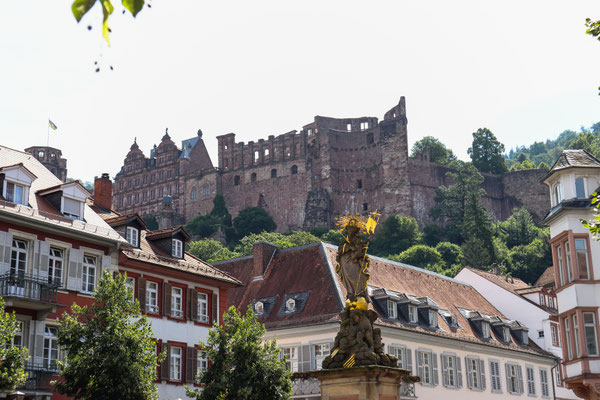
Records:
x=226, y=147
x=41, y=154
x=256, y=155
x=287, y=151
x=365, y=206
x=266, y=152
x=169, y=157
x=169, y=174
x=53, y=156
x=364, y=126
x=294, y=169
x=236, y=180
x=309, y=132
x=206, y=191
x=370, y=139
x=137, y=182
x=359, y=183
x=273, y=173
x=253, y=177
x=161, y=160
x=145, y=179
x=349, y=127
x=128, y=184
x=161, y=175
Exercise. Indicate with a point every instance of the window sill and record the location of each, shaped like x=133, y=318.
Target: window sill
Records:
x=200, y=323
x=176, y=319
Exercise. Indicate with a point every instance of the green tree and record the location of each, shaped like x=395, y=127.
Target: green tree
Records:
x=253, y=220
x=203, y=225
x=332, y=237
x=12, y=358
x=283, y=240
x=475, y=253
x=593, y=29
x=451, y=202
x=243, y=367
x=528, y=262
x=450, y=252
x=210, y=250
x=419, y=256
x=519, y=229
x=526, y=164
x=438, y=152
x=478, y=223
x=109, y=350
x=151, y=222
x=486, y=152
x=397, y=233
x=542, y=165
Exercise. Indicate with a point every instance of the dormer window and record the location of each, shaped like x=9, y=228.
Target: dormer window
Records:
x=177, y=248
x=485, y=330
x=391, y=309
x=412, y=314
x=259, y=307
x=17, y=181
x=506, y=334
x=15, y=193
x=290, y=305
x=133, y=236
x=433, y=321
x=72, y=208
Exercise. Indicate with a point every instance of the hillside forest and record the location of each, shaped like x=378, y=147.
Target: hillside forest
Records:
x=463, y=233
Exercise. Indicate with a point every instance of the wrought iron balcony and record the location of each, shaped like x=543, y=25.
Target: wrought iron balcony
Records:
x=407, y=390
x=28, y=287
x=38, y=376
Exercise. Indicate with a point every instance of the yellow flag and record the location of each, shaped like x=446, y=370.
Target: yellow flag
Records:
x=371, y=225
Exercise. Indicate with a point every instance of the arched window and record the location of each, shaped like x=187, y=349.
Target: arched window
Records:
x=266, y=152
x=256, y=156
x=294, y=169
x=236, y=180
x=206, y=190
x=41, y=154
x=253, y=177
x=53, y=156
x=194, y=193
x=273, y=173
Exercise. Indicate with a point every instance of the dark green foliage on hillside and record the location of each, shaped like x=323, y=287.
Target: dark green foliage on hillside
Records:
x=151, y=222
x=397, y=234
x=486, y=152
x=253, y=220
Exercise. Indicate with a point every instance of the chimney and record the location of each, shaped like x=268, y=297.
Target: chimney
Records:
x=495, y=269
x=103, y=191
x=262, y=252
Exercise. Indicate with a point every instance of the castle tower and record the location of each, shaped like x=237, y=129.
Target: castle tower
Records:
x=52, y=159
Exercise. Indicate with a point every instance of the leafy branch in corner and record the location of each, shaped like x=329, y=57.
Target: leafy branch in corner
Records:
x=593, y=29
x=81, y=7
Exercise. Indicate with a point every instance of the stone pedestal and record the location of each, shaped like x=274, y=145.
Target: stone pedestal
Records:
x=371, y=382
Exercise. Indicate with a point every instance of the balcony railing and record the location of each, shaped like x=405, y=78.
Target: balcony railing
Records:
x=28, y=287
x=407, y=390
x=38, y=376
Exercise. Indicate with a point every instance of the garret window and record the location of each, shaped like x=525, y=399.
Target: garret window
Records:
x=177, y=248
x=68, y=197
x=133, y=236
x=16, y=183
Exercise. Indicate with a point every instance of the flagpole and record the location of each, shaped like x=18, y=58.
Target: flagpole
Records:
x=48, y=133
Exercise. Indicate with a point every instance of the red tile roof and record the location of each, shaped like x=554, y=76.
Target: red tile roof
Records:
x=166, y=232
x=506, y=282
x=311, y=269
x=547, y=278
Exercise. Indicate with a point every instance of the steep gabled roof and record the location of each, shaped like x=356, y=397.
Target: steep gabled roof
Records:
x=547, y=278
x=166, y=232
x=311, y=269
x=505, y=282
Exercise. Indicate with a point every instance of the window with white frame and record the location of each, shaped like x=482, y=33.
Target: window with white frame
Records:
x=130, y=285
x=485, y=330
x=580, y=188
x=18, y=257
x=175, y=363
x=133, y=236
x=202, y=307
x=364, y=126
x=15, y=193
x=176, y=302
x=591, y=337
x=391, y=309
x=202, y=361
x=560, y=265
x=554, y=334
x=450, y=370
x=321, y=351
x=206, y=191
x=568, y=338
x=495, y=376
x=290, y=305
x=427, y=367
x=544, y=383
x=530, y=380
x=17, y=340
x=88, y=283
x=72, y=208
x=152, y=297
x=576, y=334
x=557, y=192
x=568, y=259
x=433, y=321
x=291, y=358
x=474, y=378
x=177, y=248
x=50, y=347
x=55, y=266
x=412, y=314
x=506, y=333
x=582, y=258
x=401, y=353
x=259, y=307
x=513, y=379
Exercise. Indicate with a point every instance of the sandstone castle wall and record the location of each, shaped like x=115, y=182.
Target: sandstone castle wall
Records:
x=306, y=178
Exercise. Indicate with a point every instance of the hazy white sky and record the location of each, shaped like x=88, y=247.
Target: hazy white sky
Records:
x=524, y=69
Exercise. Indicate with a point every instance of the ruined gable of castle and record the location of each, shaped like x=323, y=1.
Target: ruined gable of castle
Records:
x=306, y=178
